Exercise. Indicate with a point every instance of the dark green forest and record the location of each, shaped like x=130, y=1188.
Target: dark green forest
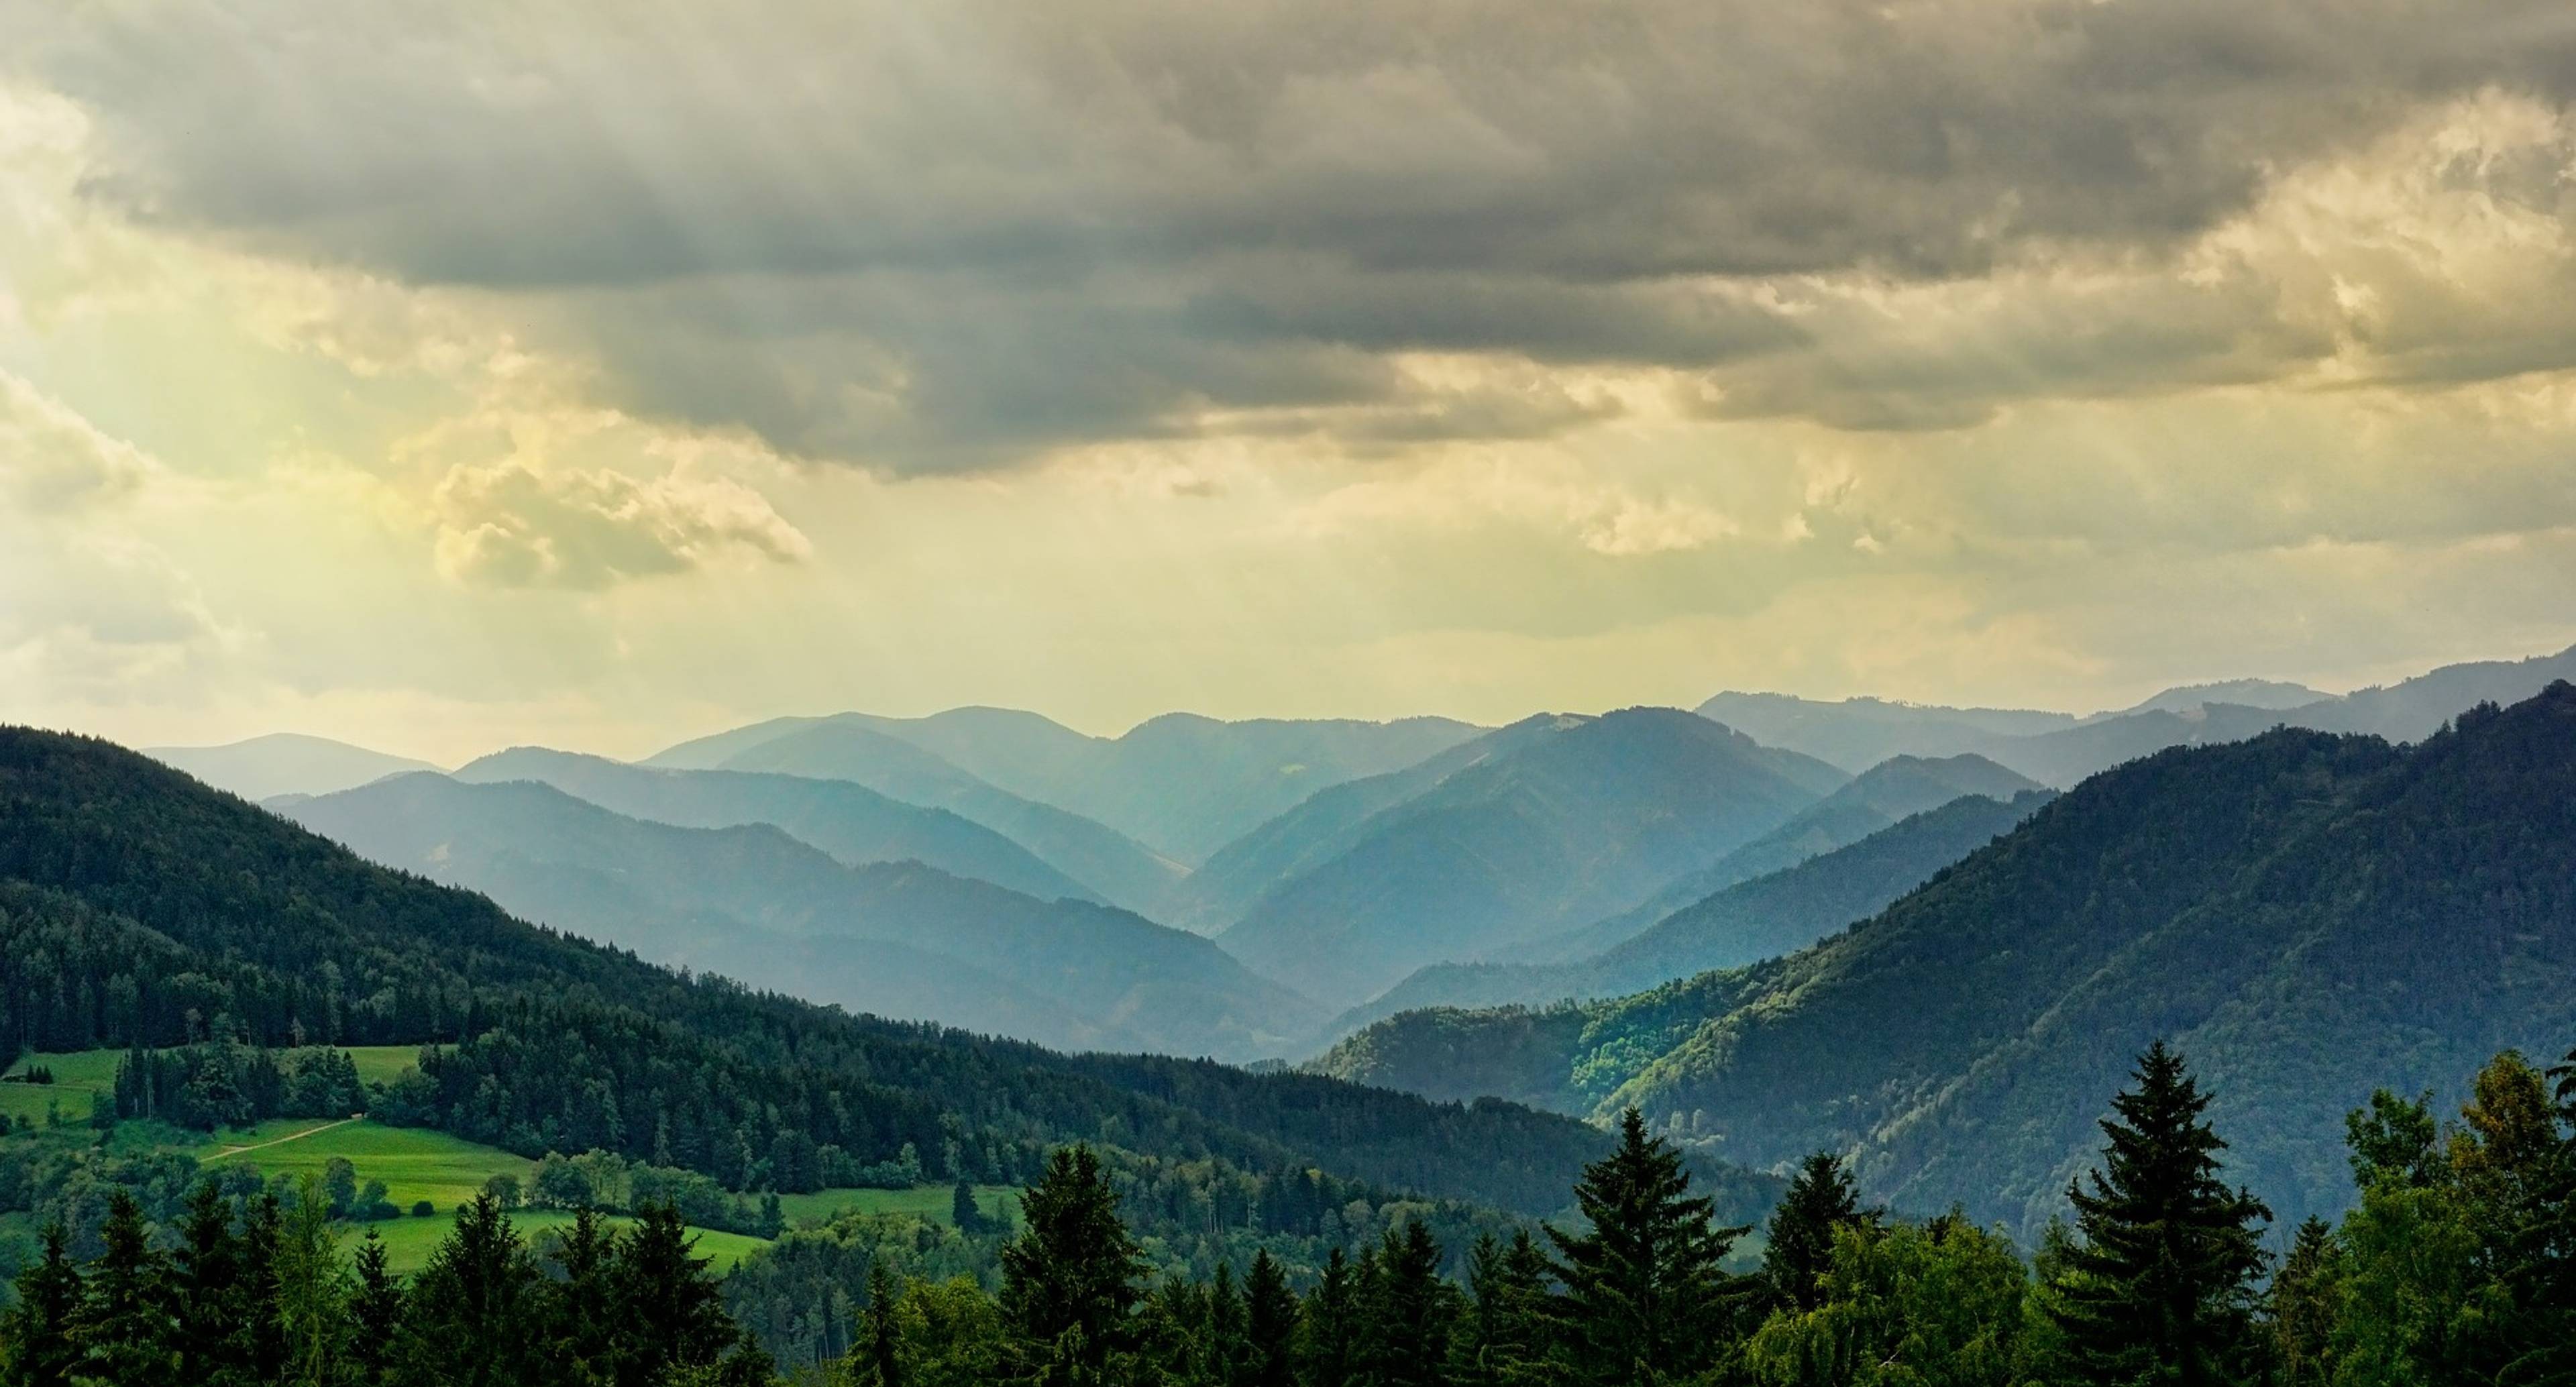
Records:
x=2456, y=1265
x=2312, y=915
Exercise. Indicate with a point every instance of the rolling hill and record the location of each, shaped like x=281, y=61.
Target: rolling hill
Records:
x=1569, y=819
x=2305, y=915
x=284, y=763
x=850, y=821
x=895, y=939
x=1746, y=922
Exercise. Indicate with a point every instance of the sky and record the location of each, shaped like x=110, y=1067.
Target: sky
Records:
x=449, y=376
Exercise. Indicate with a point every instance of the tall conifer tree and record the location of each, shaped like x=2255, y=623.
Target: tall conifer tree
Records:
x=1069, y=1280
x=1820, y=1199
x=2159, y=1284
x=1269, y=1326
x=36, y=1348
x=123, y=1328
x=1329, y=1326
x=1645, y=1297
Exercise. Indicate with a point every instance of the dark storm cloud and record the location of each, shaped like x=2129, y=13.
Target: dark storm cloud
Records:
x=952, y=235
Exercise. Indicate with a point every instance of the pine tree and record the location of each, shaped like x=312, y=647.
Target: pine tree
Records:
x=474, y=1319
x=1645, y=1298
x=1269, y=1326
x=204, y=1270
x=2159, y=1282
x=375, y=1313
x=671, y=1310
x=1069, y=1291
x=1503, y=1336
x=36, y=1333
x=312, y=1296
x=1223, y=1347
x=1820, y=1199
x=123, y=1328
x=962, y=1210
x=582, y=1302
x=881, y=1350
x=2303, y=1304
x=1408, y=1311
x=1328, y=1326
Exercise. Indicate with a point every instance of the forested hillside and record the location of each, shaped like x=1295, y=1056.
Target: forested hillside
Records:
x=2309, y=914
x=138, y=907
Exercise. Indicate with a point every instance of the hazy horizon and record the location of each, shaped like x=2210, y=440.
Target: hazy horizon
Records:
x=485, y=376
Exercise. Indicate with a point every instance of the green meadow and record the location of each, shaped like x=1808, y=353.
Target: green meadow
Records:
x=416, y=1163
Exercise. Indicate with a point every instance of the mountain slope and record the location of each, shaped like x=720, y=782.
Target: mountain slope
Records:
x=1120, y=870
x=142, y=906
x=1577, y=817
x=850, y=821
x=2305, y=915
x=755, y=903
x=284, y=763
x=1895, y=789
x=1765, y=917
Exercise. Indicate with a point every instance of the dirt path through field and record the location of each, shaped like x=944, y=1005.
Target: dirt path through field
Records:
x=281, y=1141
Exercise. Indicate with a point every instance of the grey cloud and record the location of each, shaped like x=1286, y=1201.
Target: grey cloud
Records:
x=949, y=236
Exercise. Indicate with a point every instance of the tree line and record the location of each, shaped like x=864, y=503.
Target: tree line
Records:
x=2457, y=1265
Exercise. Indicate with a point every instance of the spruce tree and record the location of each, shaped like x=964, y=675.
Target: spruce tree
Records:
x=1645, y=1298
x=37, y=1331
x=1328, y=1326
x=582, y=1303
x=123, y=1329
x=1409, y=1311
x=962, y=1210
x=202, y=1277
x=881, y=1336
x=1503, y=1336
x=2158, y=1285
x=1820, y=1199
x=671, y=1311
x=375, y=1313
x=474, y=1318
x=1069, y=1280
x=1269, y=1326
x=2302, y=1304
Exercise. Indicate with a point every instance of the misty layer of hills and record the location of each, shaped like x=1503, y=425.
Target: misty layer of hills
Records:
x=1430, y=894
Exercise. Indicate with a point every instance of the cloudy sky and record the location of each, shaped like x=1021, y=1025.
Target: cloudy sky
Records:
x=442, y=376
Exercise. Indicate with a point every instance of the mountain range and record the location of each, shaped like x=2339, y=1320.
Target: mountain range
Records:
x=2304, y=914
x=1560, y=820
x=2060, y=749
x=750, y=901
x=1746, y=922
x=140, y=907
x=1183, y=784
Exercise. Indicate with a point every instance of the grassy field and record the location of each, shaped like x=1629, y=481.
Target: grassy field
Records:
x=416, y=1163
x=86, y=1077
x=79, y=1079
x=928, y=1201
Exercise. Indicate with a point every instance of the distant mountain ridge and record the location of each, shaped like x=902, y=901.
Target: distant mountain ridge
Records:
x=893, y=939
x=1566, y=819
x=2060, y=748
x=284, y=763
x=1748, y=921
x=1184, y=784
x=1895, y=789
x=853, y=823
x=2305, y=915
